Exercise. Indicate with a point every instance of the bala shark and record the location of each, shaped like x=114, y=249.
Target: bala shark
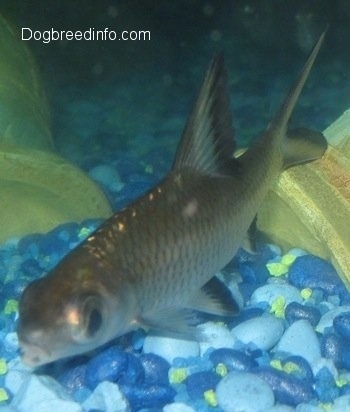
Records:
x=153, y=261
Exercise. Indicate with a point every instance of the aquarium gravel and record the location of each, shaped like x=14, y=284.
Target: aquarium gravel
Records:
x=287, y=349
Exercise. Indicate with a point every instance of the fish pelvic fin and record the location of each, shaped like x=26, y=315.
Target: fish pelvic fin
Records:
x=207, y=143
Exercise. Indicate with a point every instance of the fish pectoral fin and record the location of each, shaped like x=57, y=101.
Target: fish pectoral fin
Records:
x=303, y=145
x=171, y=321
x=180, y=321
x=214, y=298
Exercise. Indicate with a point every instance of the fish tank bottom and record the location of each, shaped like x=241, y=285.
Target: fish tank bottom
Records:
x=287, y=347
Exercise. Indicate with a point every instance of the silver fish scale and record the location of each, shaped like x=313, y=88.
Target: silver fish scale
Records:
x=174, y=239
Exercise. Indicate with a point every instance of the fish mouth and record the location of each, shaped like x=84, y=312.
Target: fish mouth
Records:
x=33, y=355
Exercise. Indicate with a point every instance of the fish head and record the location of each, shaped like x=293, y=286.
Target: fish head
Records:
x=58, y=320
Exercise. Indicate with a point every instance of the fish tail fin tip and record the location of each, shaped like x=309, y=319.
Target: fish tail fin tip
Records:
x=302, y=146
x=207, y=143
x=282, y=117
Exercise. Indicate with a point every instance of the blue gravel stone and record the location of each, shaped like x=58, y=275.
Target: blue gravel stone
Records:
x=64, y=232
x=138, y=339
x=74, y=379
x=325, y=386
x=345, y=390
x=108, y=365
x=155, y=368
x=14, y=289
x=134, y=372
x=326, y=321
x=254, y=272
x=336, y=348
x=232, y=359
x=331, y=346
x=295, y=311
x=147, y=396
x=313, y=272
x=345, y=298
x=29, y=245
x=30, y=267
x=304, y=371
x=91, y=224
x=133, y=190
x=242, y=256
x=287, y=388
x=52, y=245
x=341, y=324
x=199, y=382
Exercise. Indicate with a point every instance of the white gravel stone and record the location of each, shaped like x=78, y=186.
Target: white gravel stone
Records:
x=108, y=176
x=215, y=335
x=300, y=339
x=264, y=331
x=281, y=408
x=39, y=393
x=270, y=292
x=305, y=407
x=108, y=398
x=170, y=348
x=178, y=407
x=242, y=391
x=341, y=404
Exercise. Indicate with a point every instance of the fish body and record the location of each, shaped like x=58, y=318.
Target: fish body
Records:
x=149, y=264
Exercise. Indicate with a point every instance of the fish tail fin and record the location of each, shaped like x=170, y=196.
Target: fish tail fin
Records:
x=281, y=119
x=300, y=145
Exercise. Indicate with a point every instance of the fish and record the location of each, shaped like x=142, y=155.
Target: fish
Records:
x=154, y=263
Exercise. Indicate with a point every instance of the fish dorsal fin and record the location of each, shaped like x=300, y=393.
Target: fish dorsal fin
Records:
x=280, y=122
x=207, y=142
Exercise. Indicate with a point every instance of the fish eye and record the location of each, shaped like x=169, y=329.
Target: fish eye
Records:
x=85, y=318
x=94, y=322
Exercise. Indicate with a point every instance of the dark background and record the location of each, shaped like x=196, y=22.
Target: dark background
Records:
x=152, y=84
